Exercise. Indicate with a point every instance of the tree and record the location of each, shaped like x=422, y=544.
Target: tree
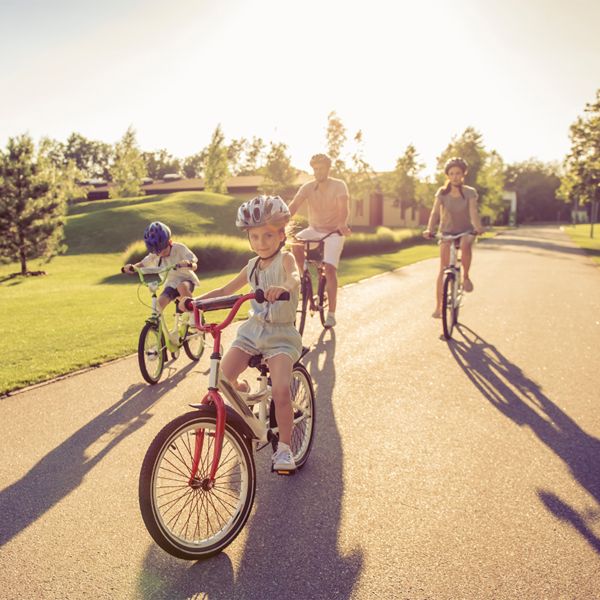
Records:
x=403, y=182
x=336, y=139
x=128, y=168
x=159, y=163
x=193, y=166
x=361, y=179
x=235, y=154
x=536, y=184
x=581, y=182
x=252, y=158
x=33, y=197
x=216, y=168
x=92, y=158
x=278, y=171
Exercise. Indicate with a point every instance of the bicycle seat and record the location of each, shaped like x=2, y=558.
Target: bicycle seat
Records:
x=256, y=360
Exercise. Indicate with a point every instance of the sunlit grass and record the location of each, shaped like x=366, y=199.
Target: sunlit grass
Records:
x=580, y=234
x=80, y=315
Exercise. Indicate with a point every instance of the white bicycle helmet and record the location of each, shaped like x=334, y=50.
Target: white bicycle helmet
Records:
x=262, y=210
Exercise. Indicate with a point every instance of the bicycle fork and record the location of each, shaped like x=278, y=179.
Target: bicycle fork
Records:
x=211, y=397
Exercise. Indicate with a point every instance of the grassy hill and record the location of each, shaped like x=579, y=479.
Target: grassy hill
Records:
x=107, y=226
x=75, y=316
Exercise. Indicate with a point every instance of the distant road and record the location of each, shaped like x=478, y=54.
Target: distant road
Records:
x=467, y=469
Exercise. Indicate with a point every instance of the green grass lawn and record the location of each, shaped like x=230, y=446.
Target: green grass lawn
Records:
x=84, y=312
x=580, y=234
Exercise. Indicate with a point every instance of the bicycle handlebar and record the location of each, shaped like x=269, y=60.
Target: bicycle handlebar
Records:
x=315, y=240
x=223, y=302
x=454, y=236
x=232, y=302
x=141, y=271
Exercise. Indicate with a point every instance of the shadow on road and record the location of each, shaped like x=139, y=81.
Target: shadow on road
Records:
x=291, y=550
x=520, y=399
x=548, y=240
x=63, y=469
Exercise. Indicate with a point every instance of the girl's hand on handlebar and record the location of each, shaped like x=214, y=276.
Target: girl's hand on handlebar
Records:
x=273, y=292
x=128, y=268
x=345, y=230
x=427, y=234
x=480, y=231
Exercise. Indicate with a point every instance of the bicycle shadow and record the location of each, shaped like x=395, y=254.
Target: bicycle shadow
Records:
x=165, y=577
x=63, y=469
x=292, y=543
x=520, y=399
x=290, y=550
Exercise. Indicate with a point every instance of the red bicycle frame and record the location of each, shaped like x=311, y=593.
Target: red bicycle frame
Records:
x=213, y=396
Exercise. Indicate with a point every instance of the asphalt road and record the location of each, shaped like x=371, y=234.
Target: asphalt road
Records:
x=468, y=469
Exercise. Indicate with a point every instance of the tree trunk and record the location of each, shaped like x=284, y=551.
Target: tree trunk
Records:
x=22, y=256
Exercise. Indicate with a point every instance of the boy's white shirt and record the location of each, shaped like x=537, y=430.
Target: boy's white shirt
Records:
x=179, y=253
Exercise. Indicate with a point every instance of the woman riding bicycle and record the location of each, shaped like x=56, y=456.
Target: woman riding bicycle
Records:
x=455, y=208
x=270, y=330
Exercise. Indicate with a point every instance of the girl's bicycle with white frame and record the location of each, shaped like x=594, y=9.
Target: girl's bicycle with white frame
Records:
x=452, y=291
x=198, y=478
x=156, y=337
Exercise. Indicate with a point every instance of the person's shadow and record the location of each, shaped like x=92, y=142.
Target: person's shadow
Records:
x=63, y=469
x=292, y=543
x=520, y=399
x=290, y=546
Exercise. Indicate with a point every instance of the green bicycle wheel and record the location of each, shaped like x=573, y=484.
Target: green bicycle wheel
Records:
x=151, y=353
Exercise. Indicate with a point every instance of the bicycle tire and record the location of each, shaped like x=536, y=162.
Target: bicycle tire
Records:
x=448, y=306
x=305, y=293
x=151, y=353
x=189, y=521
x=198, y=337
x=303, y=402
x=322, y=299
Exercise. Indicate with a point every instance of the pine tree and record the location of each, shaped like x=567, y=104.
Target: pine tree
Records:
x=33, y=197
x=216, y=168
x=278, y=171
x=128, y=168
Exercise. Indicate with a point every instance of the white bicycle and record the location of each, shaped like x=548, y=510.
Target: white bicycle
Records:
x=198, y=478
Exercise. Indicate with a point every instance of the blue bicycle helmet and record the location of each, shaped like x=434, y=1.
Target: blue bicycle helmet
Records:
x=157, y=237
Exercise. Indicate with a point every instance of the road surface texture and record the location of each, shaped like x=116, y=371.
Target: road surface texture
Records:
x=468, y=469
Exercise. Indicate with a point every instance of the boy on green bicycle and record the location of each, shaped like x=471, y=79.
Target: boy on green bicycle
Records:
x=164, y=252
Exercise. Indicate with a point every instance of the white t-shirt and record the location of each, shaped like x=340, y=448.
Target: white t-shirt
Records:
x=179, y=253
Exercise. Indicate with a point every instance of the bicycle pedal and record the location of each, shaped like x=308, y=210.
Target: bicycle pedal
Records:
x=286, y=472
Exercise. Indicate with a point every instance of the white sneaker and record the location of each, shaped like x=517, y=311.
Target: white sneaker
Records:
x=283, y=459
x=330, y=321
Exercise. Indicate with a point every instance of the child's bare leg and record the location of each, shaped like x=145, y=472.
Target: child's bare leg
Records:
x=233, y=364
x=184, y=289
x=163, y=300
x=280, y=367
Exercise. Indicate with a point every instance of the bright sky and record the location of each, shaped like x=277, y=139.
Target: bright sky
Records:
x=418, y=71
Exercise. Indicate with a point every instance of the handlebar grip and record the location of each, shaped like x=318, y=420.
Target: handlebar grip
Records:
x=188, y=304
x=259, y=296
x=122, y=269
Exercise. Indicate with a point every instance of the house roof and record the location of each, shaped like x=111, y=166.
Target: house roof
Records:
x=181, y=185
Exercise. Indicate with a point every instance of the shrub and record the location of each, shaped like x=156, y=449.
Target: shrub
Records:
x=214, y=252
